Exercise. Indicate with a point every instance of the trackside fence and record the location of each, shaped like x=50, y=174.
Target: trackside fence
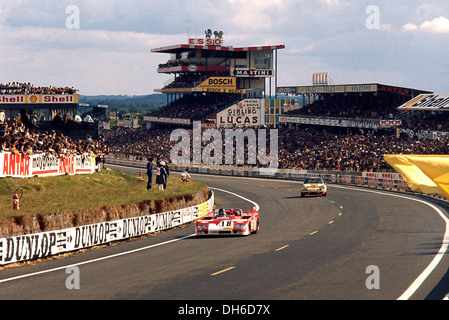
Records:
x=51, y=243
x=380, y=180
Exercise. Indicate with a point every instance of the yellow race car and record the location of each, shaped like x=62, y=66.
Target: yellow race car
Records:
x=313, y=186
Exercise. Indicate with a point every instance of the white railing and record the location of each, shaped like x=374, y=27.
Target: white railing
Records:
x=339, y=177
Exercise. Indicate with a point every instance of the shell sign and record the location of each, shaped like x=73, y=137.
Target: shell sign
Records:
x=38, y=98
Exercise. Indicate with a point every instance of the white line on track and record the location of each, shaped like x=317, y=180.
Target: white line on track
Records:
x=237, y=195
x=117, y=254
x=94, y=260
x=434, y=263
x=423, y=276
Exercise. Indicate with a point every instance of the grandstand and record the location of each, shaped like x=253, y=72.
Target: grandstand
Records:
x=370, y=106
x=219, y=85
x=225, y=86
x=322, y=126
x=53, y=108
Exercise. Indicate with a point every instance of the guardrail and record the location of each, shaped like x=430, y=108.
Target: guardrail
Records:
x=350, y=178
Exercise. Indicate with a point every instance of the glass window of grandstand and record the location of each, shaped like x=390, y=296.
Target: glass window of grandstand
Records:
x=263, y=60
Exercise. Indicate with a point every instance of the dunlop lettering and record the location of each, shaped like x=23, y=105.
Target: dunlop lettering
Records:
x=40, y=245
x=91, y=235
x=163, y=221
x=29, y=247
x=133, y=227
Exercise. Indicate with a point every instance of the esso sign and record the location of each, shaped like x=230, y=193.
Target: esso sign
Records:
x=206, y=42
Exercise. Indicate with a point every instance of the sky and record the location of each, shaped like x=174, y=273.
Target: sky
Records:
x=103, y=46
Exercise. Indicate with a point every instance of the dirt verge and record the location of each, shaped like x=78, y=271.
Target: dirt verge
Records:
x=21, y=225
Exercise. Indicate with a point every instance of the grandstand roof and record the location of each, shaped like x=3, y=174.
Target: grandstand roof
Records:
x=350, y=88
x=185, y=47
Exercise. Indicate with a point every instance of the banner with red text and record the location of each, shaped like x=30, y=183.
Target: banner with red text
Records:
x=24, y=166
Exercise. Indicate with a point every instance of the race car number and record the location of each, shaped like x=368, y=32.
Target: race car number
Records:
x=226, y=224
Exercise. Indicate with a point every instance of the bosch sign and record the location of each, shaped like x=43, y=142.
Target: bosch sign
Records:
x=221, y=81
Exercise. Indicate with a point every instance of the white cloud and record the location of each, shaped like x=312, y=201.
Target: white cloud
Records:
x=112, y=62
x=111, y=51
x=410, y=27
x=437, y=25
x=40, y=38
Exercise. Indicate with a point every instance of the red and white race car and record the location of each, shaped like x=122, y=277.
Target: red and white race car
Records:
x=228, y=222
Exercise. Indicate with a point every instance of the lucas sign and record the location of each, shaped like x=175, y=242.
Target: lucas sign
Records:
x=245, y=113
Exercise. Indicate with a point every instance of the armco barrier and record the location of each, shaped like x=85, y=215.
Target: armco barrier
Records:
x=373, y=180
x=45, y=244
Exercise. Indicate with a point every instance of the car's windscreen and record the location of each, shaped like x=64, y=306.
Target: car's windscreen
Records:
x=313, y=181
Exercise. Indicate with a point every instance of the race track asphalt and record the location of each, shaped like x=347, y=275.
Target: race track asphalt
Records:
x=313, y=248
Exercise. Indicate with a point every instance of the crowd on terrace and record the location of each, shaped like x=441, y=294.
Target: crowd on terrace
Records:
x=192, y=107
x=29, y=88
x=321, y=149
x=302, y=147
x=433, y=122
x=21, y=134
x=348, y=109
x=17, y=135
x=308, y=148
x=298, y=148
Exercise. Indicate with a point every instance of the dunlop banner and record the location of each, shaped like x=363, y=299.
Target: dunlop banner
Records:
x=45, y=244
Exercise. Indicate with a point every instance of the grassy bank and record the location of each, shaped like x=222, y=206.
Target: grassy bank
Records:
x=45, y=195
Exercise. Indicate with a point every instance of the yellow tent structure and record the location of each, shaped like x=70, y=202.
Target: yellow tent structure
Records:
x=423, y=173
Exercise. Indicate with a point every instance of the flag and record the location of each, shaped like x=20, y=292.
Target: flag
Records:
x=423, y=173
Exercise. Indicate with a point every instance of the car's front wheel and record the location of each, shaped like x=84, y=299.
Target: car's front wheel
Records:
x=257, y=226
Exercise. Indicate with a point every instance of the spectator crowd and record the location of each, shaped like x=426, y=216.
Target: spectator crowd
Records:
x=335, y=107
x=321, y=149
x=29, y=88
x=300, y=147
x=313, y=148
x=194, y=107
x=20, y=137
